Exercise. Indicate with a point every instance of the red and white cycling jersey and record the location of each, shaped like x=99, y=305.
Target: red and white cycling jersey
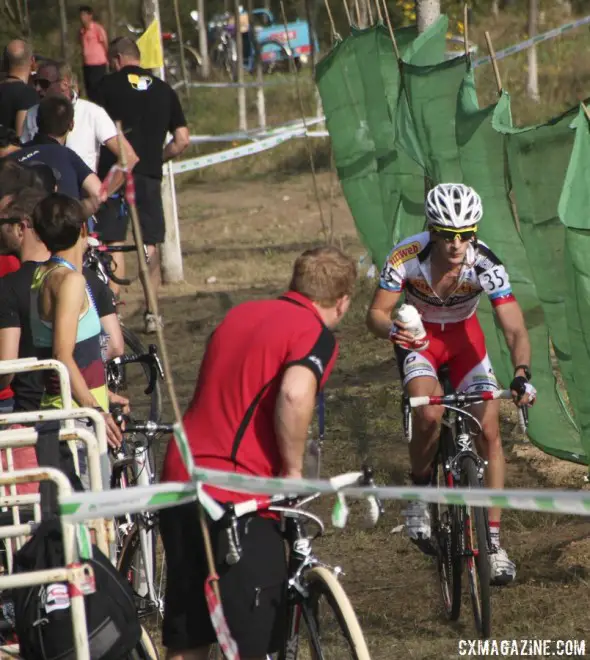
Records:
x=453, y=331
x=408, y=268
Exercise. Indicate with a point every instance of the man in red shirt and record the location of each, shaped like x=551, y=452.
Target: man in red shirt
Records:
x=95, y=45
x=250, y=413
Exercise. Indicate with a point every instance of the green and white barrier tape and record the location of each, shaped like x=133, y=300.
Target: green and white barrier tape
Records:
x=523, y=45
x=238, y=152
x=88, y=505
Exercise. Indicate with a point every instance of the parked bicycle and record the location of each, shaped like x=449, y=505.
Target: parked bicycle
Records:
x=321, y=622
x=460, y=534
x=140, y=556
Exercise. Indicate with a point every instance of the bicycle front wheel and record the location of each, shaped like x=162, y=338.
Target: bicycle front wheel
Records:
x=330, y=629
x=477, y=550
x=446, y=531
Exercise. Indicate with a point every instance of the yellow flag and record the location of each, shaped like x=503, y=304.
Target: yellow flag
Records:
x=150, y=47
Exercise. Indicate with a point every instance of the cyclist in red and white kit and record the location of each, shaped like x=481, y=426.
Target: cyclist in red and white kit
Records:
x=443, y=273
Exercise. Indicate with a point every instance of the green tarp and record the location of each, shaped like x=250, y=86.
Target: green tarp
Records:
x=423, y=119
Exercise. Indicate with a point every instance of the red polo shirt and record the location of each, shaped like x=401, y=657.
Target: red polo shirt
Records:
x=230, y=420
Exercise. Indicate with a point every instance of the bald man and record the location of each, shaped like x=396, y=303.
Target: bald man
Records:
x=16, y=95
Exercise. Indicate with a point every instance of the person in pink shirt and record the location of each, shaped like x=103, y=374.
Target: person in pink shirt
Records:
x=95, y=44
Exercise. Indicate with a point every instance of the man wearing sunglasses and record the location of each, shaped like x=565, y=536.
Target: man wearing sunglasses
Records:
x=443, y=272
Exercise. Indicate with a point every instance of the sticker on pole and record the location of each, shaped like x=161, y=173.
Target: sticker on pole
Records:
x=224, y=638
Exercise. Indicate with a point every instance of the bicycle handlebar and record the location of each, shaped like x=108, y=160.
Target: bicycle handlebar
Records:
x=274, y=502
x=461, y=398
x=150, y=358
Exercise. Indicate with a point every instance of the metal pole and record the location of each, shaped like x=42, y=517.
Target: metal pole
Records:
x=260, y=99
x=183, y=68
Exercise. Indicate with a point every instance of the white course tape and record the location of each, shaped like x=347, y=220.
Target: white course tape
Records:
x=238, y=152
x=257, y=133
x=523, y=45
x=90, y=505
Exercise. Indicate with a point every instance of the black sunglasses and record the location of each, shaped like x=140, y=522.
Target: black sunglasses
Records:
x=44, y=83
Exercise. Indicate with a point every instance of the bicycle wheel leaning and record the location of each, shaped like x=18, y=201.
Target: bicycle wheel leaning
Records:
x=145, y=649
x=149, y=587
x=330, y=629
x=476, y=538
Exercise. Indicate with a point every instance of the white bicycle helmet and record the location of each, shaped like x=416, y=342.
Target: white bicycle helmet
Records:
x=453, y=205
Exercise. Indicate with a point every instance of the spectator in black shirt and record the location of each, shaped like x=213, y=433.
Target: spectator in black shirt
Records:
x=148, y=109
x=18, y=236
x=16, y=95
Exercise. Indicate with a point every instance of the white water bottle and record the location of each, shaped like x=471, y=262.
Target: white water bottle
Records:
x=410, y=317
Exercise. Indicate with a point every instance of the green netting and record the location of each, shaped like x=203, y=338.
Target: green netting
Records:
x=574, y=212
x=434, y=127
x=359, y=87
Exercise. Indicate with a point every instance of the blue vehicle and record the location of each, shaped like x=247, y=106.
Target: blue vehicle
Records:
x=262, y=37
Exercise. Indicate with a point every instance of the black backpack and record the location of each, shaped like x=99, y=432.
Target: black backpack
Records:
x=43, y=614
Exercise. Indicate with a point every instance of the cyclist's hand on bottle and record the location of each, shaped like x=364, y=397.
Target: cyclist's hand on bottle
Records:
x=114, y=435
x=523, y=392
x=399, y=334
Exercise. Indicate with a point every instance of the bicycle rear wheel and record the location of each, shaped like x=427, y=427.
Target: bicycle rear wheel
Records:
x=331, y=630
x=136, y=378
x=476, y=532
x=446, y=531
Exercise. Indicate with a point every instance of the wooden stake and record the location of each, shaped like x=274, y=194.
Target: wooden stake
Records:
x=331, y=18
x=466, y=28
x=390, y=28
x=586, y=111
x=379, y=13
x=358, y=12
x=492, y=53
x=369, y=11
x=347, y=12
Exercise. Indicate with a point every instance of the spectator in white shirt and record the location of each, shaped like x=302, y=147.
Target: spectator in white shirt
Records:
x=92, y=125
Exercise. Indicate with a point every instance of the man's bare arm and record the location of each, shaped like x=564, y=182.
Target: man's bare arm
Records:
x=380, y=310
x=180, y=141
x=293, y=414
x=131, y=158
x=513, y=326
x=92, y=187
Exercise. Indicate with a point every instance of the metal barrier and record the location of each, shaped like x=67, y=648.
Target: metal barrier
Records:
x=27, y=437
x=79, y=576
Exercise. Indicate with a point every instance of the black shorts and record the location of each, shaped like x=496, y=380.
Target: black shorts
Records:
x=253, y=591
x=113, y=217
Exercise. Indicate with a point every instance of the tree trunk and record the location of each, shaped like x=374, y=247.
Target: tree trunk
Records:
x=427, y=13
x=533, y=74
x=203, y=45
x=112, y=22
x=495, y=7
x=63, y=29
x=242, y=110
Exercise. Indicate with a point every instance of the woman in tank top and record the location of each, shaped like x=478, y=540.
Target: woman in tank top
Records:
x=64, y=320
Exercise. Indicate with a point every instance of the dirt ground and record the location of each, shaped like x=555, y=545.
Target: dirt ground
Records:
x=239, y=241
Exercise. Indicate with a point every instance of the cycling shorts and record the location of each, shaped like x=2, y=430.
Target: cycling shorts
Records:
x=461, y=346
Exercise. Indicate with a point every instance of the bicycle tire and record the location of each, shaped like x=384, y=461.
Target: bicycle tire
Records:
x=145, y=649
x=446, y=532
x=129, y=562
x=153, y=408
x=322, y=585
x=478, y=562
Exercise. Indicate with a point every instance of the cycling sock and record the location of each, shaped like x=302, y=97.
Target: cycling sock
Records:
x=495, y=533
